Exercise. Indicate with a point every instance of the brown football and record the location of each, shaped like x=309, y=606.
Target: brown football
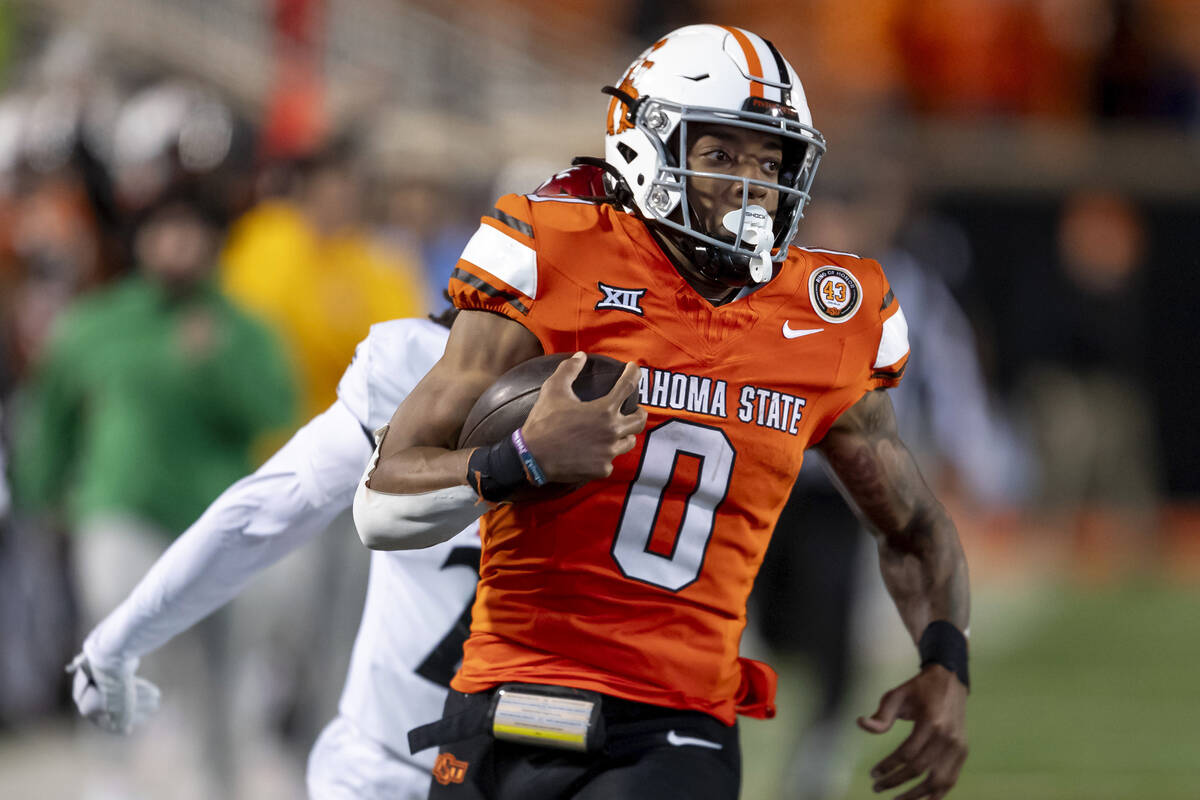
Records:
x=506, y=404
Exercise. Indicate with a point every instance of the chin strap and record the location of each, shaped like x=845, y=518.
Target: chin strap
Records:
x=711, y=262
x=714, y=263
x=721, y=265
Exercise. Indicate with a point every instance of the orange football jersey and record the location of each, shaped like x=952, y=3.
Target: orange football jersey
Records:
x=636, y=585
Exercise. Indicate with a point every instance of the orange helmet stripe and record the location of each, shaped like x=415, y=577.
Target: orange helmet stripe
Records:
x=752, y=62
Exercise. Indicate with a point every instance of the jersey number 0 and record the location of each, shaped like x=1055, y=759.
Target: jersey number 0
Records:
x=660, y=459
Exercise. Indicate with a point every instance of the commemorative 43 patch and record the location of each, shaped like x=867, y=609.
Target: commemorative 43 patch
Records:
x=836, y=294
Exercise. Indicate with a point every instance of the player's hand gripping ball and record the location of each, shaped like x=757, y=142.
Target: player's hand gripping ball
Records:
x=506, y=404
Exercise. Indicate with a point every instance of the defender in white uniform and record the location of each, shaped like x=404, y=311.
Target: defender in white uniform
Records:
x=417, y=606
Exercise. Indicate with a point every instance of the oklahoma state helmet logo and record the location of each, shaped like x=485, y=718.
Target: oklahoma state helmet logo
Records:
x=448, y=769
x=835, y=293
x=618, y=114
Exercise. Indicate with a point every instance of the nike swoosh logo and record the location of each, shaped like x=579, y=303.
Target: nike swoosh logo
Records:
x=675, y=739
x=796, y=333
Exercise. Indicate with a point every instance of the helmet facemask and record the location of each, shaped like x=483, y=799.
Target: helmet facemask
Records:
x=739, y=254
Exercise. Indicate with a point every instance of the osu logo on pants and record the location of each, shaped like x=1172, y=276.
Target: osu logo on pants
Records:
x=448, y=769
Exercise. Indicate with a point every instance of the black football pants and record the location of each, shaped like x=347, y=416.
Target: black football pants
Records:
x=650, y=753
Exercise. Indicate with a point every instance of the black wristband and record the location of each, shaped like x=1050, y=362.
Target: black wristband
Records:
x=495, y=472
x=942, y=643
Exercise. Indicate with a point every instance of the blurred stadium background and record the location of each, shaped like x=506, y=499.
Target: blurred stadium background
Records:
x=1029, y=168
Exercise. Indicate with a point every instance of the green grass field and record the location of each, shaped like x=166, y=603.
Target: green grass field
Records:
x=1087, y=694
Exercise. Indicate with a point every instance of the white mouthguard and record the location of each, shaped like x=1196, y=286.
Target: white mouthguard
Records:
x=756, y=231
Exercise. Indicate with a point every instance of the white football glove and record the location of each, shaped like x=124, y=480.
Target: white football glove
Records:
x=115, y=699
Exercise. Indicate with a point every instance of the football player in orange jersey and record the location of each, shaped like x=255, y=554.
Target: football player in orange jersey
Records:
x=603, y=656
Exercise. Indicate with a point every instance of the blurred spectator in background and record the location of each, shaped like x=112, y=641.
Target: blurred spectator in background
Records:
x=175, y=129
x=807, y=598
x=307, y=264
x=1084, y=342
x=157, y=357
x=141, y=409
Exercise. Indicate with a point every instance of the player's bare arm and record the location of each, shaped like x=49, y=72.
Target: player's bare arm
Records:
x=418, y=452
x=921, y=558
x=573, y=441
x=925, y=571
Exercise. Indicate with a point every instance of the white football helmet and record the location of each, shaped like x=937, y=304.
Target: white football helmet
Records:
x=717, y=75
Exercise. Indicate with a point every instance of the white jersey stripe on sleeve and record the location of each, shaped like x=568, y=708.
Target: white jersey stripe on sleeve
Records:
x=534, y=198
x=893, y=343
x=506, y=258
